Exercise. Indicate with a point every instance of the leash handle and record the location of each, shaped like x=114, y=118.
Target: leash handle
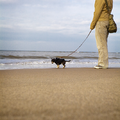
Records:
x=81, y=44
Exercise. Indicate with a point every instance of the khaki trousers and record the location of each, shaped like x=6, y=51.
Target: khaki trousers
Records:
x=101, y=35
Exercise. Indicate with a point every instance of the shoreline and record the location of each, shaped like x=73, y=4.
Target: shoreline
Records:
x=58, y=68
x=60, y=94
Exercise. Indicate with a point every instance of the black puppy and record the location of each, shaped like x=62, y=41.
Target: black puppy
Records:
x=59, y=61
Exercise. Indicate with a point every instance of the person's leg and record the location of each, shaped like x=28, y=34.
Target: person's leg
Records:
x=101, y=35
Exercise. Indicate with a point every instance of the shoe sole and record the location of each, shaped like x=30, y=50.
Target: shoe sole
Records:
x=100, y=68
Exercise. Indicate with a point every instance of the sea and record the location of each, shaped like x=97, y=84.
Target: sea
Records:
x=42, y=59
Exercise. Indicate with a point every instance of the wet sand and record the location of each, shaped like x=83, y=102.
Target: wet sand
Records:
x=60, y=94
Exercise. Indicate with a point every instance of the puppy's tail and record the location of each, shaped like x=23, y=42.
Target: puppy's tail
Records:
x=67, y=60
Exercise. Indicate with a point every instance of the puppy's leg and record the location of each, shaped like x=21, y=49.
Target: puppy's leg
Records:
x=63, y=66
x=57, y=66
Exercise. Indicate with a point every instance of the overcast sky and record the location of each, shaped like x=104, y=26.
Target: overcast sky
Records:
x=51, y=25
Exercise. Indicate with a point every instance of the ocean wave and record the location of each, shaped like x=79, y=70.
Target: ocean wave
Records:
x=50, y=57
x=21, y=57
x=44, y=57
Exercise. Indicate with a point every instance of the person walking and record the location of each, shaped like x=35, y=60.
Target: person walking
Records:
x=100, y=23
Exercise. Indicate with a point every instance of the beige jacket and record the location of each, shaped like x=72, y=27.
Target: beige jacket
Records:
x=101, y=12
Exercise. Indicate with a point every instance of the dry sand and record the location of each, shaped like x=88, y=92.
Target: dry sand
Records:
x=60, y=94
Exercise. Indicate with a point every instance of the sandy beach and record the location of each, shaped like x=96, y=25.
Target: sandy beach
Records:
x=60, y=94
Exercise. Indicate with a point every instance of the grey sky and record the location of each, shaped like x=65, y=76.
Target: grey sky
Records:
x=50, y=25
